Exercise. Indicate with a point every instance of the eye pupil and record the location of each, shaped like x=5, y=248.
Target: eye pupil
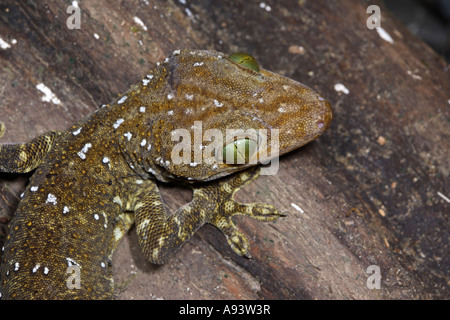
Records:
x=245, y=60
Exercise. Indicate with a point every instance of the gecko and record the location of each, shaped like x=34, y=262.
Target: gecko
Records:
x=92, y=182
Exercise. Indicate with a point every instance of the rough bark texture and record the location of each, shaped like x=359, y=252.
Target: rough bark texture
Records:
x=368, y=192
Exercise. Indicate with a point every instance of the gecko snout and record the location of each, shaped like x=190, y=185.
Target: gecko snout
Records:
x=325, y=114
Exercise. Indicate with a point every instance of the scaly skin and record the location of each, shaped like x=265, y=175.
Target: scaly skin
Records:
x=93, y=181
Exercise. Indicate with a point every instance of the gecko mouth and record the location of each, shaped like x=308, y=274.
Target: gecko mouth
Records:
x=327, y=116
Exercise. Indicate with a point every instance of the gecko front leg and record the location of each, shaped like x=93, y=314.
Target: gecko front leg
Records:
x=226, y=208
x=161, y=235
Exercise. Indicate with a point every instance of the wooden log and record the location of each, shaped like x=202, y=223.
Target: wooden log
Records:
x=373, y=191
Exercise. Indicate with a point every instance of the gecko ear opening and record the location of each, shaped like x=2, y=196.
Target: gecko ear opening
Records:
x=239, y=151
x=245, y=60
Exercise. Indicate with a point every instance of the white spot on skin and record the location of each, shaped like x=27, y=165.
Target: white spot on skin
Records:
x=281, y=110
x=16, y=266
x=76, y=132
x=46, y=270
x=66, y=209
x=139, y=181
x=138, y=206
x=105, y=225
x=34, y=189
x=339, y=87
x=122, y=100
x=170, y=112
x=128, y=135
x=82, y=153
x=117, y=234
x=384, y=35
x=170, y=96
x=143, y=142
x=145, y=82
x=143, y=226
x=96, y=36
x=71, y=262
x=118, y=123
x=193, y=164
x=142, y=109
x=49, y=96
x=218, y=104
x=139, y=22
x=102, y=264
x=189, y=96
x=198, y=64
x=105, y=160
x=36, y=267
x=176, y=52
x=149, y=147
x=51, y=198
x=118, y=201
x=161, y=241
x=96, y=216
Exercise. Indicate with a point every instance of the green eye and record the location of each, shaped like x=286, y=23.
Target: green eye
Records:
x=245, y=60
x=239, y=151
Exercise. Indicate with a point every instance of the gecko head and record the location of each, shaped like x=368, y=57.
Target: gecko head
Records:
x=235, y=114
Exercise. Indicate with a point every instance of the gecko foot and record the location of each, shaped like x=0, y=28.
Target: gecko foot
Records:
x=228, y=208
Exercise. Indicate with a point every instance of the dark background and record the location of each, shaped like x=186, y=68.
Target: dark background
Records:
x=427, y=19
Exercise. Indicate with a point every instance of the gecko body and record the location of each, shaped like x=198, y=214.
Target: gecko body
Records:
x=94, y=180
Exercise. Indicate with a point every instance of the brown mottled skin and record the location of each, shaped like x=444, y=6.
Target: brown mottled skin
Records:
x=98, y=177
